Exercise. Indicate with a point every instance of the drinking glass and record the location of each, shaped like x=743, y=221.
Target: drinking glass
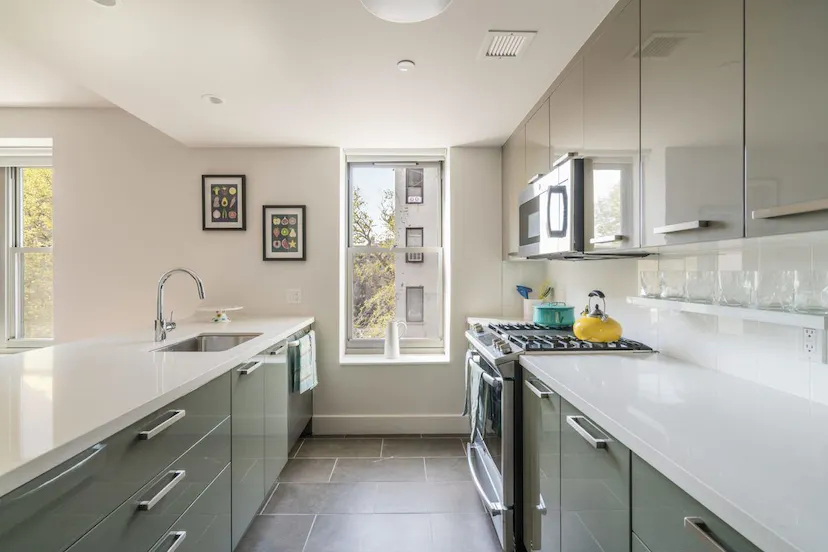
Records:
x=650, y=282
x=811, y=291
x=775, y=289
x=701, y=286
x=737, y=287
x=673, y=285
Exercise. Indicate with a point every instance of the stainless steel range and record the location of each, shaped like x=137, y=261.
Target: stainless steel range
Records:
x=496, y=446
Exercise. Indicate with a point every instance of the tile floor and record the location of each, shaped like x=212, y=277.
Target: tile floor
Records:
x=371, y=494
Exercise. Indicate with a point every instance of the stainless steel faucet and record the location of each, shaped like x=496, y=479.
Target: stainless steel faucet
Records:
x=162, y=326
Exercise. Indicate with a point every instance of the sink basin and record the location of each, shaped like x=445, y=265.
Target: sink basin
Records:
x=208, y=343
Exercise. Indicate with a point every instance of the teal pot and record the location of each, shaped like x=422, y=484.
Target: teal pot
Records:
x=554, y=315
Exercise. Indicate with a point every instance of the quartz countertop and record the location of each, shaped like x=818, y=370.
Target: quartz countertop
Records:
x=58, y=401
x=756, y=457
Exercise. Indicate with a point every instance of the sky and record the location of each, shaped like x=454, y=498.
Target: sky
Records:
x=371, y=181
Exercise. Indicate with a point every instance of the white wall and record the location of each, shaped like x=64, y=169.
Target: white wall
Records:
x=127, y=208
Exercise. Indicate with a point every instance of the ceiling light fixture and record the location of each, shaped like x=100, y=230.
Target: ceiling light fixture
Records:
x=406, y=65
x=107, y=3
x=406, y=11
x=211, y=99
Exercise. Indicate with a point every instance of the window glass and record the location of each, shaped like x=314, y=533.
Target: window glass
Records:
x=414, y=304
x=414, y=179
x=37, y=207
x=414, y=238
x=36, y=300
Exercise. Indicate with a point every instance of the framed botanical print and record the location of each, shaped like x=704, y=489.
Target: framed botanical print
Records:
x=223, y=202
x=284, y=237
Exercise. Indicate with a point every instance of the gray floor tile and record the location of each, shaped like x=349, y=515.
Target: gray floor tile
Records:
x=340, y=448
x=447, y=469
x=463, y=533
x=295, y=448
x=322, y=498
x=445, y=435
x=410, y=448
x=276, y=534
x=370, y=533
x=379, y=469
x=307, y=470
x=424, y=498
x=384, y=436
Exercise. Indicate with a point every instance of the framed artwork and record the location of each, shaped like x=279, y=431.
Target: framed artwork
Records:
x=284, y=236
x=223, y=202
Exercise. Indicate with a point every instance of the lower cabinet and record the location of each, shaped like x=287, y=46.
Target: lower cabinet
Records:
x=595, y=487
x=276, y=392
x=666, y=519
x=637, y=545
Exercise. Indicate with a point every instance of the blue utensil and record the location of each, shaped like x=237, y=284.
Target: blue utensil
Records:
x=524, y=291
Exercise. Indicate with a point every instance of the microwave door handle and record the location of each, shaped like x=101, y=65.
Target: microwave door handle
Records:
x=559, y=190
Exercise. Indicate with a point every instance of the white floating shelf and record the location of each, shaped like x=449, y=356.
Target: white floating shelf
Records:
x=816, y=321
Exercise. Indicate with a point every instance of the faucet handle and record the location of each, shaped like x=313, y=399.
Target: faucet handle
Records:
x=170, y=324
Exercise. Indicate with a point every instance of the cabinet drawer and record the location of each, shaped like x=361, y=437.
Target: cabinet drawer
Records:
x=53, y=511
x=595, y=495
x=143, y=519
x=667, y=519
x=205, y=526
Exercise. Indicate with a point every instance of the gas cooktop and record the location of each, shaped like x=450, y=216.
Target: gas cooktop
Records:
x=527, y=337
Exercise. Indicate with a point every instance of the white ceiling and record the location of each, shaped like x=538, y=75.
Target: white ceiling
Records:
x=306, y=72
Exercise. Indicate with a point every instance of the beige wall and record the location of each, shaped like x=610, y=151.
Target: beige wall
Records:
x=127, y=208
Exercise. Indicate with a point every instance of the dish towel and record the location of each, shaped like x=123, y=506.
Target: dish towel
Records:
x=307, y=362
x=474, y=381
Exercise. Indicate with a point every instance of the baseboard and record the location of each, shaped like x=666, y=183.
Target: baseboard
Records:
x=399, y=424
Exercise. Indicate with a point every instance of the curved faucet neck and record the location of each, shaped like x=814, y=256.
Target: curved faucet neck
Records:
x=161, y=326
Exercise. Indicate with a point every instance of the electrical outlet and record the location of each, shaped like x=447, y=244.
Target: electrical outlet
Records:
x=293, y=296
x=813, y=344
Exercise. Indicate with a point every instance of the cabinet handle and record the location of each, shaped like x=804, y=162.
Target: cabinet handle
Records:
x=537, y=392
x=698, y=527
x=178, y=476
x=681, y=227
x=535, y=178
x=606, y=239
x=176, y=415
x=250, y=367
x=177, y=538
x=793, y=209
x=575, y=423
x=541, y=507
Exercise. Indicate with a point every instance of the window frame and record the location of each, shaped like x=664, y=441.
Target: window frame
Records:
x=13, y=253
x=407, y=345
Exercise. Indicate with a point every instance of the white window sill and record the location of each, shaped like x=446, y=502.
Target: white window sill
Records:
x=405, y=359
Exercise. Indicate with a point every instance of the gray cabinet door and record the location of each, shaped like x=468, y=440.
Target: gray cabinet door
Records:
x=248, y=467
x=637, y=545
x=595, y=487
x=537, y=142
x=566, y=113
x=513, y=176
x=667, y=519
x=692, y=120
x=786, y=84
x=205, y=526
x=276, y=448
x=611, y=133
x=542, y=467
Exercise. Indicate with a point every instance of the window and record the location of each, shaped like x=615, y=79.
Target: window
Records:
x=414, y=238
x=29, y=267
x=393, y=272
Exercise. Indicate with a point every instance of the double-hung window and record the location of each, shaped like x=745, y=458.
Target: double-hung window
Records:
x=395, y=255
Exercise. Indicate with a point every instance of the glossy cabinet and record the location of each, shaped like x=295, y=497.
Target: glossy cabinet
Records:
x=637, y=545
x=667, y=519
x=542, y=467
x=691, y=57
x=566, y=113
x=786, y=84
x=513, y=181
x=276, y=393
x=537, y=143
x=248, y=466
x=595, y=487
x=611, y=133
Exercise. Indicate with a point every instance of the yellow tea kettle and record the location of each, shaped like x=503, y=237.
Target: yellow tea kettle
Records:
x=594, y=324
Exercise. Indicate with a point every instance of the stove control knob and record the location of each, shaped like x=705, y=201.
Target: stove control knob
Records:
x=477, y=327
x=505, y=348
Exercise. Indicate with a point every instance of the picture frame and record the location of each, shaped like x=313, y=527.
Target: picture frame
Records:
x=223, y=202
x=284, y=233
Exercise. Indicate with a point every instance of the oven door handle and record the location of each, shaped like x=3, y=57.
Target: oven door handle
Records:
x=493, y=381
x=494, y=508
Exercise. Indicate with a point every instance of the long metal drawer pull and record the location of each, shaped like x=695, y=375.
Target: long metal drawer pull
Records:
x=681, y=227
x=790, y=210
x=575, y=423
x=606, y=239
x=537, y=392
x=178, y=476
x=494, y=508
x=177, y=538
x=250, y=367
x=698, y=527
x=177, y=415
x=541, y=507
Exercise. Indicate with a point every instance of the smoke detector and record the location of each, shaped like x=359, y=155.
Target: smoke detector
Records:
x=506, y=44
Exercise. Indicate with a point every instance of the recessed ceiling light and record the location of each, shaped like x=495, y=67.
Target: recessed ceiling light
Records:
x=405, y=65
x=107, y=3
x=211, y=99
x=406, y=11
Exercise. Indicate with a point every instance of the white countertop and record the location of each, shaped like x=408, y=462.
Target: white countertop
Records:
x=58, y=401
x=756, y=457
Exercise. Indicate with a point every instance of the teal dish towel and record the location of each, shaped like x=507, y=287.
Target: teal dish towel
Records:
x=307, y=362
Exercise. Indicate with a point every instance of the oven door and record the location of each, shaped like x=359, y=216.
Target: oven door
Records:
x=490, y=451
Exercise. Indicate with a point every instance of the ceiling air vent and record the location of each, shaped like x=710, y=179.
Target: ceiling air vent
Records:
x=506, y=44
x=660, y=45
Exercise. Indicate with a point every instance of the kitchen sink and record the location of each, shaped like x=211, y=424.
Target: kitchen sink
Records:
x=208, y=343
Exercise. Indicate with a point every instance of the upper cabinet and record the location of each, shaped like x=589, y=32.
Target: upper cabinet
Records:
x=611, y=133
x=692, y=119
x=786, y=82
x=566, y=113
x=513, y=180
x=537, y=143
